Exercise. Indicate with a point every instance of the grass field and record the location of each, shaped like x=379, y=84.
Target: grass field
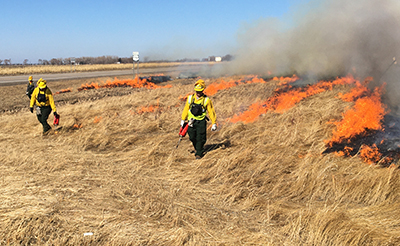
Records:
x=113, y=171
x=36, y=69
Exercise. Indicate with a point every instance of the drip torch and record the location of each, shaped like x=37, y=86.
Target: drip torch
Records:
x=183, y=130
x=56, y=121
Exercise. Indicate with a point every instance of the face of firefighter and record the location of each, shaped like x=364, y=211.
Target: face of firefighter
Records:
x=199, y=93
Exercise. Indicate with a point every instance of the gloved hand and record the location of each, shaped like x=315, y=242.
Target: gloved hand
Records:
x=214, y=127
x=31, y=109
x=182, y=123
x=55, y=114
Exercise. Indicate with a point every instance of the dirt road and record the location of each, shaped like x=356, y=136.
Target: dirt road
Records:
x=172, y=71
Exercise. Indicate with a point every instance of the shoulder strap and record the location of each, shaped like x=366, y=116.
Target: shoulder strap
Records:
x=191, y=99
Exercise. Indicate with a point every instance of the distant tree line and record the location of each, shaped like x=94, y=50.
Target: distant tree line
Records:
x=6, y=61
x=85, y=60
x=107, y=60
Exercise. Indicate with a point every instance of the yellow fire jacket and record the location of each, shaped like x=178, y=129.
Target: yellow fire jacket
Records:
x=49, y=98
x=206, y=102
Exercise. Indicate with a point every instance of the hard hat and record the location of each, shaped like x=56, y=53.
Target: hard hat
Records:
x=199, y=85
x=42, y=83
x=30, y=77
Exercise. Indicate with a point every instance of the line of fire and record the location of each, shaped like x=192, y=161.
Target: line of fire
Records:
x=366, y=129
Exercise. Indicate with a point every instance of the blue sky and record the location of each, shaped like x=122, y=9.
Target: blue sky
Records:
x=157, y=29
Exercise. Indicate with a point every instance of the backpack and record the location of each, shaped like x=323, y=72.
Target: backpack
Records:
x=197, y=109
x=41, y=97
x=29, y=89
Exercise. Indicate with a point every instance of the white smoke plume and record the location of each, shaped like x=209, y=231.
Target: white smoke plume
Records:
x=330, y=38
x=333, y=38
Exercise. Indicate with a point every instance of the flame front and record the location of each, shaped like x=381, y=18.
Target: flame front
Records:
x=63, y=91
x=134, y=83
x=251, y=79
x=367, y=114
x=357, y=123
x=284, y=100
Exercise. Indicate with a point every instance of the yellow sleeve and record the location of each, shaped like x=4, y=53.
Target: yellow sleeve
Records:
x=33, y=97
x=51, y=100
x=211, y=111
x=185, y=111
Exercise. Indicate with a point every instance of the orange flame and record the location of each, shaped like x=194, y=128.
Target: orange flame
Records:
x=63, y=91
x=369, y=154
x=251, y=79
x=134, y=83
x=286, y=80
x=366, y=114
x=357, y=92
x=346, y=151
x=147, y=109
x=77, y=125
x=223, y=85
x=255, y=110
x=97, y=119
x=283, y=101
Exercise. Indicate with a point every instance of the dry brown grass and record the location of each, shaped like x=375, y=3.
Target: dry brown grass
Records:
x=264, y=183
x=36, y=69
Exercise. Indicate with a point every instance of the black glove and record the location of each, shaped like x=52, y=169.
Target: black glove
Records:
x=55, y=114
x=31, y=109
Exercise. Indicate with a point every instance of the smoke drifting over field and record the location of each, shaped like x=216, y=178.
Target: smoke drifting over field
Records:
x=332, y=38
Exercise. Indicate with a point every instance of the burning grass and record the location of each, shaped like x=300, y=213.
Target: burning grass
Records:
x=286, y=97
x=363, y=119
x=134, y=83
x=213, y=88
x=120, y=177
x=63, y=91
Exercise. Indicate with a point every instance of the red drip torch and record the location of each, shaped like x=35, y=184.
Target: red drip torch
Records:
x=182, y=132
x=56, y=121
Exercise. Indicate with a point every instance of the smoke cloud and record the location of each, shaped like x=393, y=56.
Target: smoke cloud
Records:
x=328, y=39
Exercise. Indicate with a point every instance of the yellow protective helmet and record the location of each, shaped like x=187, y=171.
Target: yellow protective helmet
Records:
x=200, y=85
x=42, y=83
x=30, y=77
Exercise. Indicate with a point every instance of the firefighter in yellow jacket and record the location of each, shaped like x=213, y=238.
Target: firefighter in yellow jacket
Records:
x=30, y=87
x=196, y=108
x=42, y=97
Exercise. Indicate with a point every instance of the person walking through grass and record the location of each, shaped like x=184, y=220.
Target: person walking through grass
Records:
x=30, y=87
x=42, y=97
x=196, y=108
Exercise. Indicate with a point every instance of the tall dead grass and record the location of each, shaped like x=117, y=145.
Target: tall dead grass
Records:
x=121, y=178
x=37, y=69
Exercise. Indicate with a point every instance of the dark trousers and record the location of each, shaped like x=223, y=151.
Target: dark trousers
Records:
x=45, y=112
x=198, y=135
